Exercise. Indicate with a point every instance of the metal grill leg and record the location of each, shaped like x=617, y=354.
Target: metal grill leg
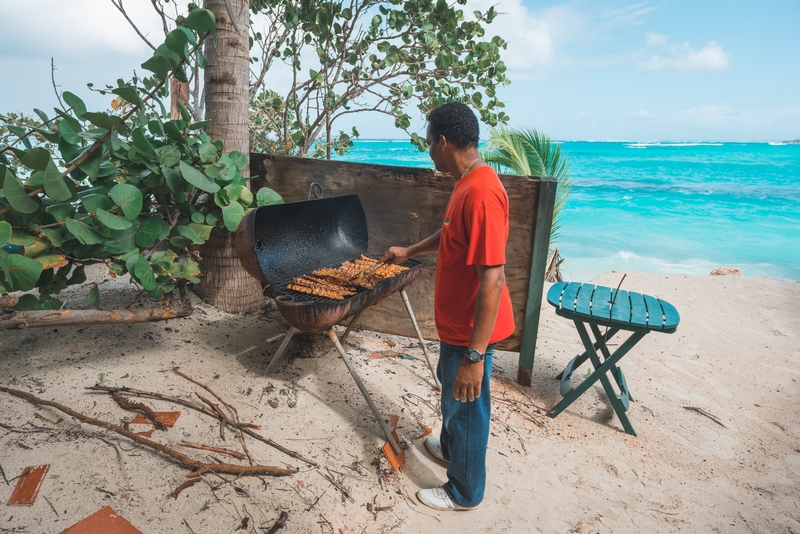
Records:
x=286, y=339
x=350, y=327
x=419, y=336
x=364, y=392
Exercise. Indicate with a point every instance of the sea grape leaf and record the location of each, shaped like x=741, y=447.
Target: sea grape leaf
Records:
x=14, y=191
x=239, y=159
x=101, y=120
x=112, y=221
x=152, y=229
x=129, y=199
x=51, y=261
x=84, y=233
x=232, y=216
x=208, y=152
x=128, y=93
x=36, y=159
x=202, y=20
x=266, y=197
x=77, y=105
x=197, y=178
x=52, y=235
x=144, y=273
x=96, y=201
x=61, y=211
x=167, y=156
x=191, y=235
x=21, y=272
x=54, y=184
x=158, y=65
x=21, y=238
x=5, y=232
x=92, y=165
x=94, y=297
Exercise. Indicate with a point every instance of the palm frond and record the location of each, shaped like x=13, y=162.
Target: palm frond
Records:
x=530, y=152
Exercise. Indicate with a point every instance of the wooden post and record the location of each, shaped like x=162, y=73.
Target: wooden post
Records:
x=541, y=243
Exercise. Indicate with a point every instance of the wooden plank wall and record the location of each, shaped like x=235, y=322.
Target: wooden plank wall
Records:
x=404, y=205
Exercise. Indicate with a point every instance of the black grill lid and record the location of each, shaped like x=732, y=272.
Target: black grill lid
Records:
x=296, y=238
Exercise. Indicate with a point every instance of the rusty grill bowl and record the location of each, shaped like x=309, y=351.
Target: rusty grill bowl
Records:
x=311, y=313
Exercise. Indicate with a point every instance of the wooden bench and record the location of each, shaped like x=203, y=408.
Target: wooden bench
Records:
x=597, y=306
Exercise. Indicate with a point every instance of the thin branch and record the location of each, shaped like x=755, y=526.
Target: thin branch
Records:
x=53, y=78
x=245, y=427
x=191, y=463
x=119, y=6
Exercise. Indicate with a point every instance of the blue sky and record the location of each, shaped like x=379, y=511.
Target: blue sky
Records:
x=611, y=70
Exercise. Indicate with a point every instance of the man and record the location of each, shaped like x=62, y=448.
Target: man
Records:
x=472, y=304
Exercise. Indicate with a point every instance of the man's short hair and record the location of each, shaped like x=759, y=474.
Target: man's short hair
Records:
x=457, y=123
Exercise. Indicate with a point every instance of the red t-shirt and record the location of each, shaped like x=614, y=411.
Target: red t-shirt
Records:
x=474, y=232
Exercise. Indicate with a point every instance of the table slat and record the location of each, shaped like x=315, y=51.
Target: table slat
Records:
x=671, y=314
x=555, y=292
x=601, y=302
x=569, y=296
x=655, y=313
x=621, y=312
x=638, y=310
x=583, y=304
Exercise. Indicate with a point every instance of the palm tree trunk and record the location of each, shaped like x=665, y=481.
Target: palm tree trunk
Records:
x=226, y=285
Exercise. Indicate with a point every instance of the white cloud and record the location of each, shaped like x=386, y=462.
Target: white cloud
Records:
x=75, y=28
x=655, y=39
x=685, y=59
x=530, y=43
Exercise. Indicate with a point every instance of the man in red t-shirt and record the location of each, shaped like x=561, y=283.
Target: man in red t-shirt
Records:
x=472, y=304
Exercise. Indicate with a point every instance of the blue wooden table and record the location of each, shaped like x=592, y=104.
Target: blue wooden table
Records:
x=597, y=306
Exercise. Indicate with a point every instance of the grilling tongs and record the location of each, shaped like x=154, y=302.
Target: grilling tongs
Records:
x=366, y=271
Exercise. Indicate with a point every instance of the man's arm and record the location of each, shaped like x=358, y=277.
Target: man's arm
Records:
x=487, y=304
x=398, y=255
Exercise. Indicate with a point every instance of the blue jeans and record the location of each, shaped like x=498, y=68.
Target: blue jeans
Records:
x=465, y=428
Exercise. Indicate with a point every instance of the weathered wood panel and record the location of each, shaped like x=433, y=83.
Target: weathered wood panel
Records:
x=404, y=205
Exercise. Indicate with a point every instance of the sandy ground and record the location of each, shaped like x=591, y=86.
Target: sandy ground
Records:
x=736, y=355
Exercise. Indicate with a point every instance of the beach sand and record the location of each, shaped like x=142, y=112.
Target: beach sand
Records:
x=736, y=355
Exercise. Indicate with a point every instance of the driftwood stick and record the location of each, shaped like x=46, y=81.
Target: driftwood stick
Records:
x=47, y=318
x=223, y=419
x=148, y=412
x=188, y=484
x=230, y=407
x=229, y=452
x=244, y=427
x=179, y=456
x=707, y=414
x=279, y=523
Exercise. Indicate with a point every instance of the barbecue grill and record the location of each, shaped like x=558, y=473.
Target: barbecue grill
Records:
x=279, y=242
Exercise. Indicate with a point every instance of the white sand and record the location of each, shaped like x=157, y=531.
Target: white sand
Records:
x=736, y=355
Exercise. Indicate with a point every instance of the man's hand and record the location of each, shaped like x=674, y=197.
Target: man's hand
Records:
x=468, y=380
x=395, y=255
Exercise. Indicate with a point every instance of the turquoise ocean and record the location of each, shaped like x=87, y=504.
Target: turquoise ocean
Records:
x=681, y=208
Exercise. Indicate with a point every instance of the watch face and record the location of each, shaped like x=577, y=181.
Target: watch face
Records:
x=474, y=355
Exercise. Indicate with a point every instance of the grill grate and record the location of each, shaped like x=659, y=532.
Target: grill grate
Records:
x=280, y=289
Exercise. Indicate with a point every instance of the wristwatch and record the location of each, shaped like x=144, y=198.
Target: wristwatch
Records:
x=475, y=355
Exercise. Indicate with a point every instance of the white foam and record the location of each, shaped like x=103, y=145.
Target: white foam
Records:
x=668, y=145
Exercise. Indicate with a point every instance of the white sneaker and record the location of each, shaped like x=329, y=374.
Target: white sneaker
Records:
x=438, y=499
x=434, y=446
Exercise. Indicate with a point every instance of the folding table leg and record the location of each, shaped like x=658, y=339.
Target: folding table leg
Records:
x=581, y=359
x=616, y=371
x=419, y=336
x=600, y=371
x=616, y=402
x=286, y=339
x=350, y=327
x=378, y=417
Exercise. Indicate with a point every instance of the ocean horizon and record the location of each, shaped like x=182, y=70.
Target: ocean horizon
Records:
x=673, y=207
